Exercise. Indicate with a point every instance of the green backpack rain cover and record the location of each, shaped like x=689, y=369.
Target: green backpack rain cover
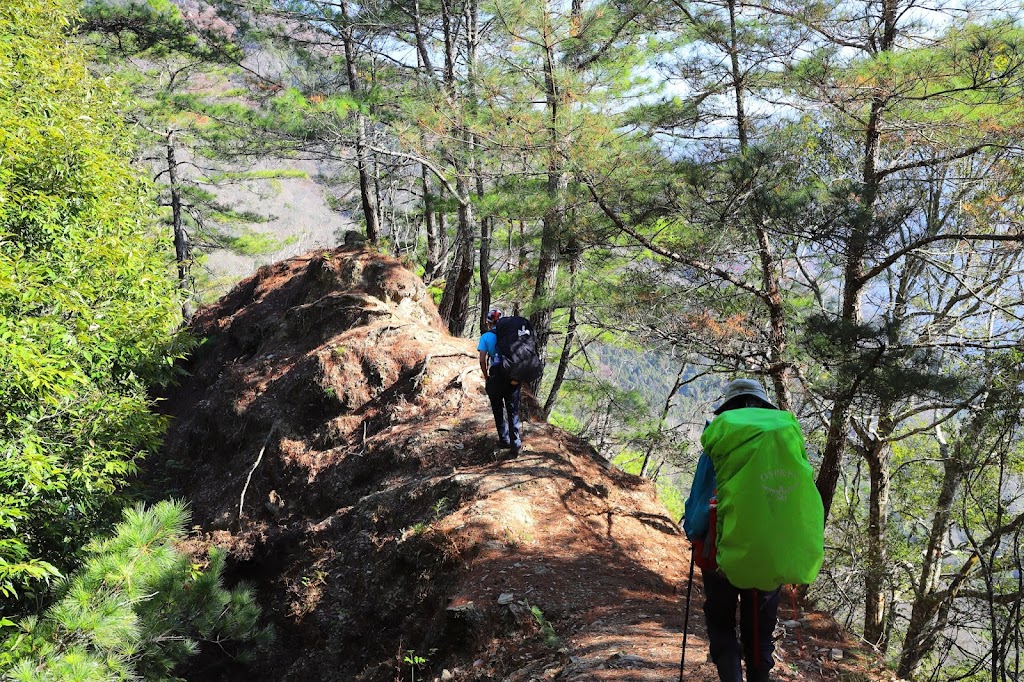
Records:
x=771, y=523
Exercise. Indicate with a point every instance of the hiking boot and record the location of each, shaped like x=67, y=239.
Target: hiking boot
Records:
x=516, y=449
x=758, y=676
x=505, y=445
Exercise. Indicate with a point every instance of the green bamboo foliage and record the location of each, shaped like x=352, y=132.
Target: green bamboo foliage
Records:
x=87, y=309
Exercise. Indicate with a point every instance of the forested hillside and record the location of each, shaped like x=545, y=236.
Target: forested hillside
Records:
x=825, y=196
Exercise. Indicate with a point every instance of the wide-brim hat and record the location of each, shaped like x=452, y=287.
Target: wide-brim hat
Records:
x=738, y=387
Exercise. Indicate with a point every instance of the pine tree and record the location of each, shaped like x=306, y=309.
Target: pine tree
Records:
x=183, y=71
x=136, y=609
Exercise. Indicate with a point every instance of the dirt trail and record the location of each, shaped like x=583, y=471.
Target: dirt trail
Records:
x=379, y=521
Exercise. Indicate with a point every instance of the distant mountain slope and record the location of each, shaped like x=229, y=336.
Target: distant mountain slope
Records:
x=297, y=213
x=381, y=526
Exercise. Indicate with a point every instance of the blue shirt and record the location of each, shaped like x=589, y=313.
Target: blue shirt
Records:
x=697, y=510
x=489, y=344
x=698, y=504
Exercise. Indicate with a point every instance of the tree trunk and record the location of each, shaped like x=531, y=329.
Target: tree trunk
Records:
x=454, y=308
x=378, y=204
x=737, y=78
x=421, y=46
x=442, y=243
x=486, y=223
x=182, y=247
x=367, y=194
x=921, y=634
x=877, y=569
x=523, y=254
x=777, y=369
x=551, y=235
x=570, y=339
x=547, y=264
x=434, y=240
x=449, y=43
x=661, y=421
x=485, y=271
x=832, y=454
x=853, y=271
x=920, y=638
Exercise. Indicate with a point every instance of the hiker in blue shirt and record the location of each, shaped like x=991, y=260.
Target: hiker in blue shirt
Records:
x=758, y=609
x=502, y=392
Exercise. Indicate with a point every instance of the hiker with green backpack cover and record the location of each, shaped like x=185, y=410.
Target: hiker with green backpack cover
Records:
x=755, y=522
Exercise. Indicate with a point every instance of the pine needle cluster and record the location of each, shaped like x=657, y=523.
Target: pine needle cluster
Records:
x=137, y=608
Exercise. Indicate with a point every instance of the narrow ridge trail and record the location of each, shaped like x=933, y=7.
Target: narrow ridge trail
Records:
x=338, y=444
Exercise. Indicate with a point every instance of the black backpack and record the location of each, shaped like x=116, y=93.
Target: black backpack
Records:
x=517, y=348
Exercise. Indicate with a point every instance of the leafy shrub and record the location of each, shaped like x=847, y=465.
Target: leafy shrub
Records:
x=88, y=307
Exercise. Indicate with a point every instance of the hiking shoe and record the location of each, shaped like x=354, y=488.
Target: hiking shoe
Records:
x=516, y=449
x=505, y=445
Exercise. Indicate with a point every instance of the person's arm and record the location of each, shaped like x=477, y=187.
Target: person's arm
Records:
x=483, y=363
x=698, y=504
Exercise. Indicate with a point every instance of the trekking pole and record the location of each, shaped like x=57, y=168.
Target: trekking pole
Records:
x=686, y=618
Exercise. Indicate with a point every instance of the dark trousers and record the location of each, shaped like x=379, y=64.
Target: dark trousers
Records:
x=758, y=615
x=505, y=399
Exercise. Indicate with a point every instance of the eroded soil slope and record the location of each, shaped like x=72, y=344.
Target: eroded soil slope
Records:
x=337, y=442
